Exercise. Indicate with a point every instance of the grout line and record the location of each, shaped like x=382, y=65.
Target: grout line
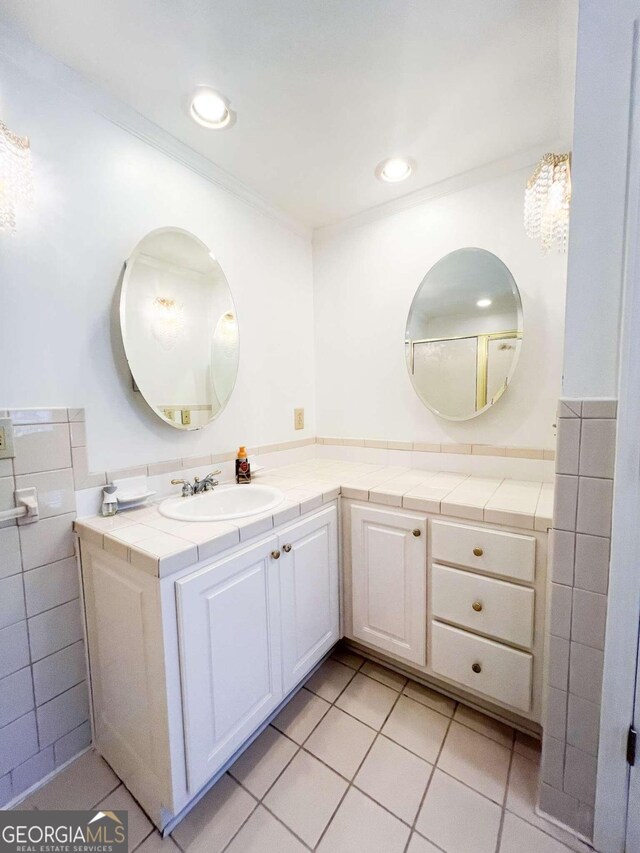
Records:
x=137, y=847
x=506, y=794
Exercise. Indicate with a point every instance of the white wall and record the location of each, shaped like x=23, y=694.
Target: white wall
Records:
x=365, y=277
x=99, y=190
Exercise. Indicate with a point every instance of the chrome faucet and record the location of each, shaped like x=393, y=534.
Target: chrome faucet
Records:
x=205, y=485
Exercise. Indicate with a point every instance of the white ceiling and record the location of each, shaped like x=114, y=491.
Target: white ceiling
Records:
x=325, y=89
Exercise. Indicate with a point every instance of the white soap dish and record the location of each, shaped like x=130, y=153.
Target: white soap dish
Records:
x=132, y=492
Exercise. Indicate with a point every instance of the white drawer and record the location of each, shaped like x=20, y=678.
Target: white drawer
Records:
x=497, y=608
x=483, y=549
x=504, y=674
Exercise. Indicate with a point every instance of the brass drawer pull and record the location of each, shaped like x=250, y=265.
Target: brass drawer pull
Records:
x=417, y=532
x=477, y=606
x=275, y=555
x=476, y=667
x=286, y=548
x=478, y=552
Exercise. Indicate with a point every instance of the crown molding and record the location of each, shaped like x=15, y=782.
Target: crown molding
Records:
x=23, y=53
x=456, y=183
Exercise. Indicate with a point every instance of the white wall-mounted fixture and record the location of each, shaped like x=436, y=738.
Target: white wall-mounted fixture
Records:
x=26, y=510
x=547, y=200
x=16, y=180
x=395, y=169
x=211, y=109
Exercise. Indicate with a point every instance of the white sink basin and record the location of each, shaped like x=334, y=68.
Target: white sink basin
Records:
x=223, y=503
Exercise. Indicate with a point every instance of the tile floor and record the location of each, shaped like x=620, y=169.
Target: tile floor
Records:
x=360, y=761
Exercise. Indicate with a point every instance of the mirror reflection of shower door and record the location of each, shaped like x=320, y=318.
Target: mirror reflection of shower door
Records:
x=500, y=355
x=447, y=371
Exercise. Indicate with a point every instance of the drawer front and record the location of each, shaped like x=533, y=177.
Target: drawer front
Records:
x=483, y=549
x=497, y=608
x=504, y=674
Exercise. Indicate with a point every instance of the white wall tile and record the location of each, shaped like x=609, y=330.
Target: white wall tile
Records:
x=558, y=804
x=597, y=448
x=599, y=408
x=592, y=563
x=54, y=629
x=11, y=600
x=51, y=585
x=558, y=672
x=72, y=743
x=78, y=434
x=589, y=618
x=41, y=447
x=7, y=488
x=58, y=672
x=55, y=491
x=33, y=770
x=552, y=771
x=14, y=648
x=568, y=446
x=585, y=672
x=580, y=775
x=63, y=714
x=16, y=695
x=18, y=741
x=560, y=612
x=565, y=503
x=38, y=416
x=583, y=724
x=562, y=556
x=594, y=506
x=556, y=716
x=47, y=541
x=10, y=561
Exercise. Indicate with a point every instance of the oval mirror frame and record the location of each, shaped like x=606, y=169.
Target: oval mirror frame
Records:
x=457, y=350
x=160, y=320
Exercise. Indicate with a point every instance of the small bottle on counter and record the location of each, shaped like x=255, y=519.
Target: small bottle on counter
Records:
x=243, y=468
x=109, y=500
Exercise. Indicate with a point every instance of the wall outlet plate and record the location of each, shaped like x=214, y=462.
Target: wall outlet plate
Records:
x=6, y=438
x=298, y=418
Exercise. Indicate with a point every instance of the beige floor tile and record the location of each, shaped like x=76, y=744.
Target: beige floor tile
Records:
x=430, y=698
x=417, y=727
x=418, y=844
x=347, y=658
x=155, y=843
x=530, y=747
x=368, y=700
x=341, y=742
x=213, y=822
x=384, y=676
x=520, y=837
x=262, y=833
x=485, y=725
x=301, y=715
x=139, y=824
x=458, y=819
x=80, y=785
x=330, y=680
x=260, y=765
x=361, y=825
x=305, y=797
x=394, y=777
x=477, y=761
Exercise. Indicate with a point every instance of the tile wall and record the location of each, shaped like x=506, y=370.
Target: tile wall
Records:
x=580, y=575
x=44, y=705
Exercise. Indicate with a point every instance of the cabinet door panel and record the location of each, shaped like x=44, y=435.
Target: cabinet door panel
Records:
x=309, y=581
x=389, y=581
x=228, y=616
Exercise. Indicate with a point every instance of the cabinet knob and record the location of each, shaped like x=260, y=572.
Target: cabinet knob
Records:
x=286, y=548
x=275, y=555
x=477, y=606
x=476, y=667
x=417, y=532
x=478, y=552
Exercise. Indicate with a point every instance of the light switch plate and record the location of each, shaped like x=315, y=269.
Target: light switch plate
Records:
x=298, y=418
x=6, y=438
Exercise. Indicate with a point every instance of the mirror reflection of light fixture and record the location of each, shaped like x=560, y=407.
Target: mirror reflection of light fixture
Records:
x=16, y=179
x=168, y=321
x=547, y=199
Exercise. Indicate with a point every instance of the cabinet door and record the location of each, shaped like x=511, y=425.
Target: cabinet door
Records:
x=228, y=624
x=389, y=581
x=309, y=584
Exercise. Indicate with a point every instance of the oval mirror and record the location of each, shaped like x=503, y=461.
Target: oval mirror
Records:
x=464, y=334
x=179, y=328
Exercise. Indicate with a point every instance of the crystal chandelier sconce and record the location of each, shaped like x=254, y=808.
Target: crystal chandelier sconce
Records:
x=168, y=322
x=16, y=178
x=547, y=199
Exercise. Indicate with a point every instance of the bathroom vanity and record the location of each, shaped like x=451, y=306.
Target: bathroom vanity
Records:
x=199, y=632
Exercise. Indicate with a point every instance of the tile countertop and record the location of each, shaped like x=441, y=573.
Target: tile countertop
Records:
x=160, y=545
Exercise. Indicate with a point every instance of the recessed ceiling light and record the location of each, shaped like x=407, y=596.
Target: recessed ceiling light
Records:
x=395, y=169
x=210, y=109
x=483, y=303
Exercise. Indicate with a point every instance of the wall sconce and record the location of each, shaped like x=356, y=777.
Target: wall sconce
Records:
x=16, y=177
x=547, y=199
x=168, y=321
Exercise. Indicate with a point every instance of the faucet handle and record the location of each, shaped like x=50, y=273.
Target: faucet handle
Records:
x=214, y=473
x=187, y=488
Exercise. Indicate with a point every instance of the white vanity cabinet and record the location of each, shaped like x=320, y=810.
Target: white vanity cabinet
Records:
x=186, y=668
x=461, y=603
